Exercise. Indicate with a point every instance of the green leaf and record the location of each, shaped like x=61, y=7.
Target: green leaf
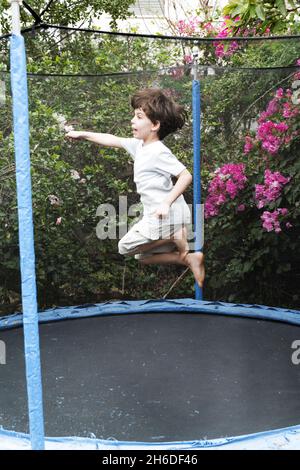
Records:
x=278, y=26
x=240, y=9
x=281, y=6
x=252, y=11
x=260, y=12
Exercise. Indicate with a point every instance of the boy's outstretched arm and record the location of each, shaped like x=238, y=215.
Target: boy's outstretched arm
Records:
x=107, y=140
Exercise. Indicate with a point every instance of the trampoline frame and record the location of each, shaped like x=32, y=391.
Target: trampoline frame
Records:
x=283, y=438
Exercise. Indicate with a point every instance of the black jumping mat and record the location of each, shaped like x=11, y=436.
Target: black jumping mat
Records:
x=157, y=377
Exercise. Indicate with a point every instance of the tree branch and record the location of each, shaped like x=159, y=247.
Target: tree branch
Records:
x=176, y=282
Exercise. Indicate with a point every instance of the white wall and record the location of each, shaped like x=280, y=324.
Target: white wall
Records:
x=164, y=12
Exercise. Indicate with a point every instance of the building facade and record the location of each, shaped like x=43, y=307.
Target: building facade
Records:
x=153, y=16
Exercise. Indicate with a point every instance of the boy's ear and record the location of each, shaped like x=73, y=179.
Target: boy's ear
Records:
x=156, y=126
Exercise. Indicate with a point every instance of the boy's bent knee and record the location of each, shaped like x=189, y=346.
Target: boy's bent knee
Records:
x=129, y=244
x=122, y=248
x=125, y=248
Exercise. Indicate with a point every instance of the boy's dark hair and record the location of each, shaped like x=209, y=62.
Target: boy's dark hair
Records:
x=159, y=107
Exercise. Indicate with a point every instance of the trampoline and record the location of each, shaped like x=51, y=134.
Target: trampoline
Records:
x=147, y=374
x=173, y=374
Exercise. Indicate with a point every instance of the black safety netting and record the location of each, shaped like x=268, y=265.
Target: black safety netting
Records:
x=249, y=167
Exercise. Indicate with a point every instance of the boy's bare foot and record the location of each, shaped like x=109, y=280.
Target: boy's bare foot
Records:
x=195, y=261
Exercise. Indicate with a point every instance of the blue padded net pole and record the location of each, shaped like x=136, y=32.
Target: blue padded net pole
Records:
x=196, y=169
x=26, y=242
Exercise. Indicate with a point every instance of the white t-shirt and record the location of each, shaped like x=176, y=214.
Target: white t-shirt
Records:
x=154, y=165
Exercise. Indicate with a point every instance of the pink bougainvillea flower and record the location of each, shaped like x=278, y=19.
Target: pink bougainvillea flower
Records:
x=208, y=26
x=271, y=220
x=222, y=50
x=270, y=135
x=188, y=59
x=227, y=182
x=272, y=107
x=289, y=111
x=296, y=76
x=177, y=72
x=248, y=144
x=188, y=27
x=271, y=189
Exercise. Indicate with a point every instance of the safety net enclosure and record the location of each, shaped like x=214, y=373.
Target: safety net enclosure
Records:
x=244, y=249
x=178, y=373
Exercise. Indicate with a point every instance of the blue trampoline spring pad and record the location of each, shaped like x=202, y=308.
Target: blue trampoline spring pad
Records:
x=157, y=371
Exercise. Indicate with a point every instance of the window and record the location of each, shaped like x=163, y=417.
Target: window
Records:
x=150, y=8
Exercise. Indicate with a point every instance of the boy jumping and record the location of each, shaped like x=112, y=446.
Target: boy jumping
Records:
x=160, y=237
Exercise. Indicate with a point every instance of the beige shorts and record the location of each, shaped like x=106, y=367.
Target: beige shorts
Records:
x=134, y=238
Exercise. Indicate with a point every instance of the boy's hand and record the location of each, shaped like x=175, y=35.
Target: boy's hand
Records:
x=162, y=211
x=74, y=135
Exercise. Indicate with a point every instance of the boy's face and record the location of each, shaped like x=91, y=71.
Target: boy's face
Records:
x=142, y=127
